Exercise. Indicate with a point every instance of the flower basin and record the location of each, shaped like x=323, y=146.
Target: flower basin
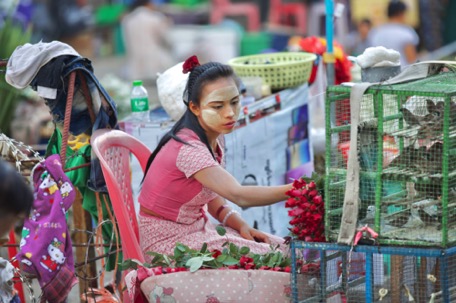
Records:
x=212, y=286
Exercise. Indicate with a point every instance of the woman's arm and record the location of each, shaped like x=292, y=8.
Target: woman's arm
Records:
x=220, y=181
x=235, y=221
x=410, y=53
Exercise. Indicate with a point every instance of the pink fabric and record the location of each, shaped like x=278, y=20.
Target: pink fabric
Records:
x=219, y=286
x=170, y=173
x=161, y=236
x=170, y=190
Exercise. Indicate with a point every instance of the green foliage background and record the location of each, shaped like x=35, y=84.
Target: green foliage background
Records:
x=11, y=36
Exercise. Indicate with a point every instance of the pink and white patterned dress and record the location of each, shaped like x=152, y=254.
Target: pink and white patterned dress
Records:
x=170, y=191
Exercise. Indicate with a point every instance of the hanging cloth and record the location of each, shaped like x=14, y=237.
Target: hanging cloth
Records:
x=6, y=283
x=45, y=248
x=79, y=177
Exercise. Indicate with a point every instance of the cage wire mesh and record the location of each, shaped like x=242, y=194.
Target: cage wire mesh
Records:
x=406, y=151
x=341, y=274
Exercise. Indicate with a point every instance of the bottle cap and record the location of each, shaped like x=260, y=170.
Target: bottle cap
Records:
x=137, y=83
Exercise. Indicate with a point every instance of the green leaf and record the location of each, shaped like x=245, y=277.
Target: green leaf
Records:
x=204, y=248
x=194, y=263
x=220, y=230
x=221, y=258
x=285, y=262
x=128, y=264
x=256, y=258
x=167, y=261
x=181, y=247
x=230, y=261
x=225, y=244
x=207, y=258
x=234, y=250
x=157, y=258
x=244, y=250
x=177, y=252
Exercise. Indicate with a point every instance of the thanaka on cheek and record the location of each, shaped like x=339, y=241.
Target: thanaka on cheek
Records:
x=211, y=118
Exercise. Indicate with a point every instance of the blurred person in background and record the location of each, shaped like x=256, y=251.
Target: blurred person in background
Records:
x=396, y=34
x=357, y=41
x=16, y=198
x=145, y=33
x=60, y=20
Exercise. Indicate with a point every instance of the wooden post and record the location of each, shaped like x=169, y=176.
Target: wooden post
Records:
x=397, y=265
x=83, y=221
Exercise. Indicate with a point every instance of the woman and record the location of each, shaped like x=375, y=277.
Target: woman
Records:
x=185, y=177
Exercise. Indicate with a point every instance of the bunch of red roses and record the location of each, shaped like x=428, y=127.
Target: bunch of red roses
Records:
x=307, y=211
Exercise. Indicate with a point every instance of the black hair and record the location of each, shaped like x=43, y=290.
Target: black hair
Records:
x=16, y=197
x=138, y=3
x=396, y=8
x=366, y=21
x=198, y=78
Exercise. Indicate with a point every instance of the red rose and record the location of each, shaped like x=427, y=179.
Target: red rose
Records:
x=294, y=221
x=313, y=193
x=291, y=202
x=317, y=200
x=216, y=253
x=299, y=183
x=233, y=266
x=190, y=64
x=294, y=193
x=307, y=211
x=244, y=260
x=295, y=212
x=157, y=270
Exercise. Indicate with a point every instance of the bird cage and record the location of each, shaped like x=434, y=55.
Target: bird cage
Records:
x=372, y=274
x=406, y=147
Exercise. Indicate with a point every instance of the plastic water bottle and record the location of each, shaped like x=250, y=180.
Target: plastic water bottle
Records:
x=139, y=102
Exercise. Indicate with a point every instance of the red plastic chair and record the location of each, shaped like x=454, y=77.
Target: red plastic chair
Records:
x=113, y=148
x=222, y=8
x=280, y=14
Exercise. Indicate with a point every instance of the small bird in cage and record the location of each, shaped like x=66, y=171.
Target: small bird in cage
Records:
x=419, y=215
x=431, y=124
x=413, y=119
x=409, y=157
x=369, y=219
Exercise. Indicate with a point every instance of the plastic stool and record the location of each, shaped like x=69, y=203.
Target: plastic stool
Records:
x=280, y=13
x=222, y=8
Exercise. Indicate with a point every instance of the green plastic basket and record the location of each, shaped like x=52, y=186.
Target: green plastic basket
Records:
x=279, y=70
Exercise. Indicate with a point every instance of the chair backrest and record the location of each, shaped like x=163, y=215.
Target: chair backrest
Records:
x=113, y=148
x=221, y=3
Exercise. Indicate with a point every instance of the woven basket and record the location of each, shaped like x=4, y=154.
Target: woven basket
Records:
x=279, y=70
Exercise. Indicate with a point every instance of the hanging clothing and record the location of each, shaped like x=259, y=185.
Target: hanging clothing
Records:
x=27, y=59
x=6, y=283
x=45, y=247
x=78, y=178
x=50, y=78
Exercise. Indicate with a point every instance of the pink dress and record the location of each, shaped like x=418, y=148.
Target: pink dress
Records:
x=170, y=191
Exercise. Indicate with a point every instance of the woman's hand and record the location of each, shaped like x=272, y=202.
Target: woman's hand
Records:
x=253, y=234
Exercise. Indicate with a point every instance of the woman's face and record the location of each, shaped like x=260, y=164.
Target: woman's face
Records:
x=219, y=106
